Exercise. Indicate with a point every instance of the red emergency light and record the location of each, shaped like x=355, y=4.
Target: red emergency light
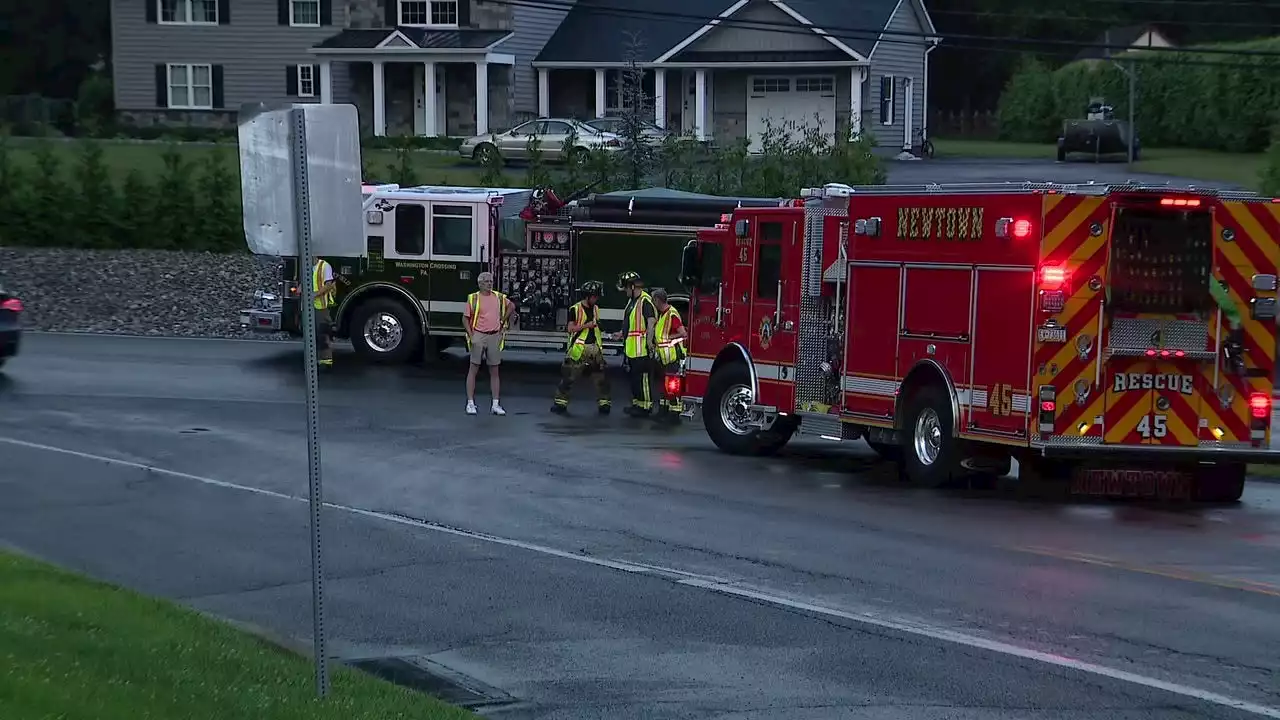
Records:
x=1048, y=406
x=1180, y=202
x=1052, y=276
x=1260, y=405
x=12, y=305
x=1021, y=229
x=672, y=384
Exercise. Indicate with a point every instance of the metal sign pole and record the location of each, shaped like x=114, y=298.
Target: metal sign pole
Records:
x=1133, y=129
x=306, y=268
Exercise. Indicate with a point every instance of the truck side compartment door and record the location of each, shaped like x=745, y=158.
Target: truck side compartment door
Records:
x=774, y=296
x=937, y=323
x=456, y=232
x=871, y=353
x=999, y=401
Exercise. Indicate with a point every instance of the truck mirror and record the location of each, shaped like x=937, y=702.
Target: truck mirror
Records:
x=691, y=265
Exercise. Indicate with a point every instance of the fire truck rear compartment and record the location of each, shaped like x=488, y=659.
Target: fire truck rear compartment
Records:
x=1161, y=260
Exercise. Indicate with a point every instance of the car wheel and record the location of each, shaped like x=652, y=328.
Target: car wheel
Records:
x=385, y=331
x=486, y=154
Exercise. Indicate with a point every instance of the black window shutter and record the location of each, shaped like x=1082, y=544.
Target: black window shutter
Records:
x=162, y=86
x=291, y=81
x=282, y=12
x=315, y=80
x=218, y=99
x=224, y=12
x=886, y=99
x=392, y=12
x=153, y=15
x=464, y=13
x=326, y=12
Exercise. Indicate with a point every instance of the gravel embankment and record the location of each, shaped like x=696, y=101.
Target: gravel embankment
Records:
x=136, y=292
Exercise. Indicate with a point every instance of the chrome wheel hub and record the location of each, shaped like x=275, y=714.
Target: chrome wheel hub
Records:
x=927, y=439
x=735, y=410
x=383, y=332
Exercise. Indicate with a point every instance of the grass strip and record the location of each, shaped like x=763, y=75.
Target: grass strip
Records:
x=73, y=648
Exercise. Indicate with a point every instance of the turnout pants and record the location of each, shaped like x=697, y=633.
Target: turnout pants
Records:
x=324, y=344
x=641, y=377
x=592, y=363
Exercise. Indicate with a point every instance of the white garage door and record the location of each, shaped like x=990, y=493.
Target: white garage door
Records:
x=791, y=102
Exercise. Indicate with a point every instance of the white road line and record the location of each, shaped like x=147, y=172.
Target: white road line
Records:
x=126, y=336
x=718, y=585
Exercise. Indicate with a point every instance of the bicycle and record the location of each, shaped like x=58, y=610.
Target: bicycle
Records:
x=923, y=146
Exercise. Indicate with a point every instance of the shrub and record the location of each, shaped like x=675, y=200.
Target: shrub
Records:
x=1184, y=99
x=1269, y=178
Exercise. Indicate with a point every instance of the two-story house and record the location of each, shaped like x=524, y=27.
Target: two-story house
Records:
x=719, y=69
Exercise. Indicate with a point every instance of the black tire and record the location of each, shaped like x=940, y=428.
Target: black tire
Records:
x=938, y=473
x=733, y=379
x=388, y=351
x=485, y=154
x=1225, y=483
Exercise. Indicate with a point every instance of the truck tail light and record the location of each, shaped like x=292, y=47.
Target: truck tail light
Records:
x=1260, y=406
x=1052, y=277
x=1018, y=229
x=12, y=305
x=1179, y=202
x=1048, y=398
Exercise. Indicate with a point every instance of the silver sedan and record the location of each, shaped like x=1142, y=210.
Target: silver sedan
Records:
x=553, y=135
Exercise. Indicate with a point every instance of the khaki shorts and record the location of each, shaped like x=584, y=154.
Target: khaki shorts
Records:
x=488, y=347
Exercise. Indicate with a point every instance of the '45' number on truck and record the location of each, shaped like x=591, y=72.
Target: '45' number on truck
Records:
x=1152, y=426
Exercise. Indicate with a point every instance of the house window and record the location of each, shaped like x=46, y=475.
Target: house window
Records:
x=190, y=87
x=189, y=12
x=304, y=13
x=617, y=93
x=306, y=81
x=761, y=85
x=429, y=12
x=452, y=230
x=886, y=99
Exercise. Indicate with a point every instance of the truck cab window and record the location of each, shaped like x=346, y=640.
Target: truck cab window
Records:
x=411, y=229
x=712, y=268
x=768, y=269
x=770, y=232
x=452, y=229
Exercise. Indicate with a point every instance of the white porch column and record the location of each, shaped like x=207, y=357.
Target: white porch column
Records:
x=482, y=97
x=326, y=82
x=600, y=87
x=660, y=97
x=700, y=104
x=379, y=101
x=544, y=92
x=429, y=99
x=855, y=102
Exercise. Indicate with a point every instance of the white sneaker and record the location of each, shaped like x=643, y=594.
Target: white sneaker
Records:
x=471, y=407
x=497, y=409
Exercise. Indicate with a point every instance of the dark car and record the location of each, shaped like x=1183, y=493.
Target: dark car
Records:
x=10, y=325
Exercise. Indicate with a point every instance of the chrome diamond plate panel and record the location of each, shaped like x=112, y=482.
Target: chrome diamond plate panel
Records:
x=812, y=383
x=1143, y=333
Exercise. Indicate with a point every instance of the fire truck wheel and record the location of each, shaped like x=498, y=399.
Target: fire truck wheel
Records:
x=1225, y=483
x=384, y=331
x=929, y=449
x=726, y=416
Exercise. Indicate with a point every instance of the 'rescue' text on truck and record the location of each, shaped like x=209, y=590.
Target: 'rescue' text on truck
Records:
x=1115, y=340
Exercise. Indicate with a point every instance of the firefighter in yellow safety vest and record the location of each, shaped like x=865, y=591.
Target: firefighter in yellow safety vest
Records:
x=585, y=352
x=638, y=324
x=323, y=283
x=669, y=337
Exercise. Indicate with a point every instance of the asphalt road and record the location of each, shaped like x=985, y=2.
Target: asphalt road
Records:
x=593, y=569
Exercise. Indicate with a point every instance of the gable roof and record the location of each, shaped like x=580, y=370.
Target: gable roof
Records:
x=420, y=38
x=600, y=31
x=1115, y=38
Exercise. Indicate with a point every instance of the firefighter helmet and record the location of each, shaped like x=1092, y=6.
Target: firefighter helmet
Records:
x=592, y=287
x=628, y=278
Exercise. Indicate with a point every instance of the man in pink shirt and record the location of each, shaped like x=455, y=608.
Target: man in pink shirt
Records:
x=486, y=317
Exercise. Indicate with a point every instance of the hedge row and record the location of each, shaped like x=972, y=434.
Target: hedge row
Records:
x=69, y=199
x=1222, y=102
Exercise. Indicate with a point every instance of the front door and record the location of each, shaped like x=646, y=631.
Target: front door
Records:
x=774, y=299
x=706, y=319
x=421, y=107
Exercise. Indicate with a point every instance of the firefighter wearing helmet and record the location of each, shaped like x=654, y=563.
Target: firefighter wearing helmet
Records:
x=639, y=322
x=585, y=352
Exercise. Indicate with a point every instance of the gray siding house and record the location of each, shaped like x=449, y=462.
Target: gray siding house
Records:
x=425, y=67
x=720, y=69
x=724, y=70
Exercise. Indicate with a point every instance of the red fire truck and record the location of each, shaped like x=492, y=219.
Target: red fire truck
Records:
x=1114, y=339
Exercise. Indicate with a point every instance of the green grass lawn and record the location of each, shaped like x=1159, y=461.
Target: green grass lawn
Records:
x=1200, y=164
x=77, y=649
x=121, y=157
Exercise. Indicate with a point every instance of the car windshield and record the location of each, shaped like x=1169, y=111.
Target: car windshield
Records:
x=587, y=128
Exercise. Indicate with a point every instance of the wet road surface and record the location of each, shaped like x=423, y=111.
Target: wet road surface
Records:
x=582, y=568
